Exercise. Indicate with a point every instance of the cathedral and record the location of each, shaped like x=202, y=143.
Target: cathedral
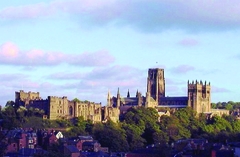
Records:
x=198, y=98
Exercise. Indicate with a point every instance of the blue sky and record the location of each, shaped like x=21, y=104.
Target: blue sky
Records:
x=85, y=48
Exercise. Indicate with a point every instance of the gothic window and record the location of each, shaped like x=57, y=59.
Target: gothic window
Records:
x=203, y=108
x=153, y=89
x=70, y=110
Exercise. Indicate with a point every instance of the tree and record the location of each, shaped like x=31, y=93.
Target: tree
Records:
x=133, y=133
x=229, y=107
x=76, y=100
x=160, y=137
x=145, y=119
x=10, y=103
x=174, y=129
x=214, y=105
x=112, y=136
x=78, y=128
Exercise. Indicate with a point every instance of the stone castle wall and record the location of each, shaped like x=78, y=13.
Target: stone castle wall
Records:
x=59, y=107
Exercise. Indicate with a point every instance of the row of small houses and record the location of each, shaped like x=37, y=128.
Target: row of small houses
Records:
x=27, y=142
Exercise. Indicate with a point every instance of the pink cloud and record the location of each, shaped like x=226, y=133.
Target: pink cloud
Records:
x=87, y=59
x=182, y=69
x=27, y=11
x=9, y=51
x=66, y=76
x=10, y=54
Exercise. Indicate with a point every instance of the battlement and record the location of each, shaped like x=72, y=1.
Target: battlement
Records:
x=22, y=91
x=155, y=69
x=57, y=98
x=154, y=72
x=196, y=84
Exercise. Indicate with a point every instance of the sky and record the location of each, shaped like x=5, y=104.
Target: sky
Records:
x=85, y=48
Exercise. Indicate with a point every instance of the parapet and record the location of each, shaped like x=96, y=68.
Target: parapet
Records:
x=56, y=97
x=199, y=83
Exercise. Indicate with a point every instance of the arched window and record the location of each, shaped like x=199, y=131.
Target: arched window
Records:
x=70, y=111
x=203, y=108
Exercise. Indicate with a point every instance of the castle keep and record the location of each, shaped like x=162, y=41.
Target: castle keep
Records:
x=198, y=98
x=59, y=107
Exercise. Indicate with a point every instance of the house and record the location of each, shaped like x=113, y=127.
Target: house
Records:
x=58, y=134
x=91, y=146
x=28, y=152
x=71, y=150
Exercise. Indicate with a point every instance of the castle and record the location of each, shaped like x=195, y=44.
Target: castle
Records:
x=198, y=98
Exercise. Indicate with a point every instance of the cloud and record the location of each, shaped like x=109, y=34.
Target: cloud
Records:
x=188, y=42
x=102, y=79
x=143, y=15
x=92, y=85
x=215, y=89
x=182, y=69
x=12, y=77
x=174, y=81
x=66, y=76
x=102, y=73
x=11, y=55
x=100, y=58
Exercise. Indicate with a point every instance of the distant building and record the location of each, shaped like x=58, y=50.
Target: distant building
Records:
x=59, y=107
x=198, y=98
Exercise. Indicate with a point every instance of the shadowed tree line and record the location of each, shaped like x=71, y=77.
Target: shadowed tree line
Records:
x=230, y=105
x=139, y=127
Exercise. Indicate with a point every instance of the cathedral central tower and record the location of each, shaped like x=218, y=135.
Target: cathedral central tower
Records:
x=156, y=83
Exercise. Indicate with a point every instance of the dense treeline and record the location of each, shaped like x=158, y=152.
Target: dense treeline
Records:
x=230, y=105
x=138, y=128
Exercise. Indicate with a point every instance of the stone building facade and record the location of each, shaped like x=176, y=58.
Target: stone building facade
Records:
x=59, y=107
x=198, y=96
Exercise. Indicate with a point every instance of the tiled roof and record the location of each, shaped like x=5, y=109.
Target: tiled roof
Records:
x=72, y=148
x=184, y=98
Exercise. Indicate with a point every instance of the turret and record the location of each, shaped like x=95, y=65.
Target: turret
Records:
x=139, y=96
x=109, y=99
x=137, y=93
x=128, y=94
x=118, y=98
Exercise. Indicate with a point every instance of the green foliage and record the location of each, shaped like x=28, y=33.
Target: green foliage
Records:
x=111, y=135
x=230, y=105
x=145, y=119
x=80, y=127
x=133, y=133
x=139, y=127
x=214, y=105
x=76, y=100
x=160, y=137
x=10, y=103
x=236, y=126
x=179, y=125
